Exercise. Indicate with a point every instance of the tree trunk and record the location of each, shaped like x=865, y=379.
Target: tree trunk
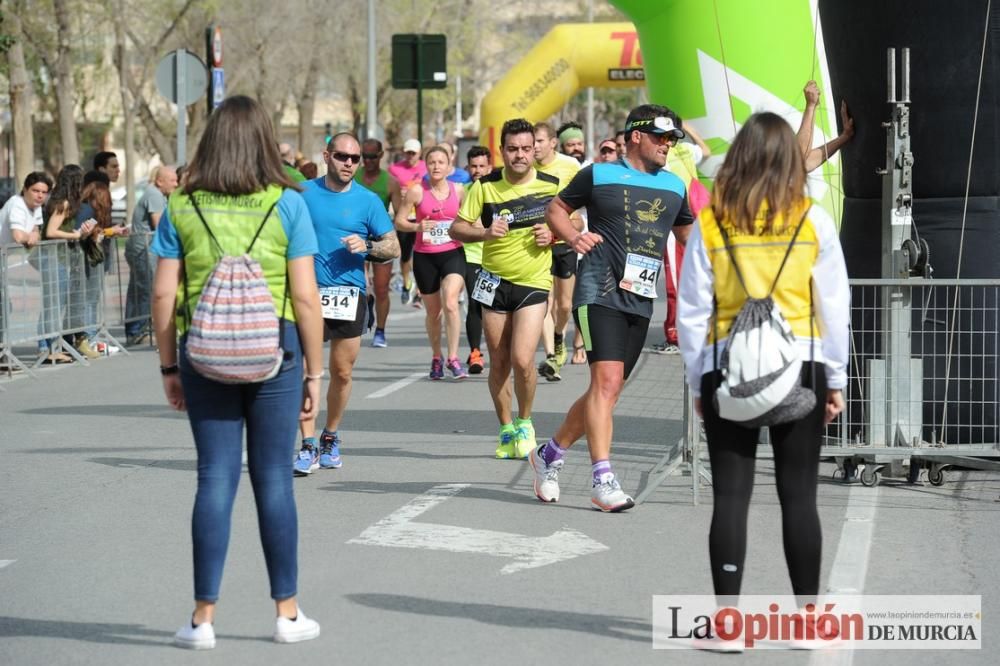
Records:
x=128, y=117
x=64, y=86
x=20, y=105
x=307, y=107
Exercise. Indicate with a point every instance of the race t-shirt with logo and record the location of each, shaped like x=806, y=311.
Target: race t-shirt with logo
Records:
x=633, y=211
x=337, y=215
x=515, y=257
x=473, y=251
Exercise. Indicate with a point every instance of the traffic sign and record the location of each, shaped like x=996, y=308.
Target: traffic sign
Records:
x=218, y=86
x=184, y=85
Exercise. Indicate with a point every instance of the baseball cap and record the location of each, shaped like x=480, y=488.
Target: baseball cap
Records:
x=666, y=124
x=411, y=146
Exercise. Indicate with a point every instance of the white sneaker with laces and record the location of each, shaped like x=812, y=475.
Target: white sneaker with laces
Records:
x=607, y=495
x=300, y=629
x=201, y=637
x=546, y=476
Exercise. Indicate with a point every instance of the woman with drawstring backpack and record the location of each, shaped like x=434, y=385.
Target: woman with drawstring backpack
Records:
x=759, y=234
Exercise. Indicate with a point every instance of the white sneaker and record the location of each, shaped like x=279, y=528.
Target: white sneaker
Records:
x=301, y=629
x=546, y=476
x=201, y=637
x=608, y=496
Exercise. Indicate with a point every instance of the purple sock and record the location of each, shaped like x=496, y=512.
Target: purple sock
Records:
x=600, y=468
x=552, y=452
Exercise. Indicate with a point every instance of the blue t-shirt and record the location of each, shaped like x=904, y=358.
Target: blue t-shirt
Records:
x=294, y=219
x=335, y=216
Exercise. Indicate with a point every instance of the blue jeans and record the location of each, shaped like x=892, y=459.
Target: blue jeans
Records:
x=217, y=413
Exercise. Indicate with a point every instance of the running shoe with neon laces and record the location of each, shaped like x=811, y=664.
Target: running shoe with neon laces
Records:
x=329, y=451
x=549, y=369
x=546, y=476
x=437, y=369
x=560, y=354
x=457, y=371
x=525, y=442
x=476, y=362
x=378, y=340
x=406, y=294
x=307, y=460
x=506, y=441
x=607, y=495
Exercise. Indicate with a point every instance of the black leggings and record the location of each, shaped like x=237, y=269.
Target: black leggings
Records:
x=474, y=316
x=732, y=450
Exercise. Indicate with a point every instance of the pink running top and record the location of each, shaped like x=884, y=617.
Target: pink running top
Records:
x=441, y=212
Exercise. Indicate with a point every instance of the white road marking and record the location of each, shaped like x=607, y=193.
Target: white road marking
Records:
x=397, y=531
x=850, y=566
x=395, y=386
x=4, y=563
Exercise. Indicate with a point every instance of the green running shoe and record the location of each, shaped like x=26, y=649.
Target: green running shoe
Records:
x=506, y=442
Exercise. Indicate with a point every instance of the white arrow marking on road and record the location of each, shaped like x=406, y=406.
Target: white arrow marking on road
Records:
x=396, y=530
x=4, y=563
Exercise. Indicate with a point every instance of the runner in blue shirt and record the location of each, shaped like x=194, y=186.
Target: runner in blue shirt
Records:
x=351, y=222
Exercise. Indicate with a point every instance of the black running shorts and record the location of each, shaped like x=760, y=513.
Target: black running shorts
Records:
x=611, y=335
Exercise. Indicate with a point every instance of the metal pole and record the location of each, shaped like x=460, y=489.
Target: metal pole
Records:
x=891, y=78
x=373, y=129
x=420, y=91
x=590, y=90
x=458, y=106
x=905, y=75
x=180, y=84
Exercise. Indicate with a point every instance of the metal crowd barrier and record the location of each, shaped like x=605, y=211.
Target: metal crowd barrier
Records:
x=924, y=381
x=51, y=293
x=923, y=387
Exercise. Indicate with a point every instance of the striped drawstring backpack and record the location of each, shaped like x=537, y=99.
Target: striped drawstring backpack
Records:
x=234, y=336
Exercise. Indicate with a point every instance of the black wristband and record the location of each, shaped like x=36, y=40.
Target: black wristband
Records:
x=169, y=369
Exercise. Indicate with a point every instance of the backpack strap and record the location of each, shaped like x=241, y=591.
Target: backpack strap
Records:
x=284, y=300
x=784, y=260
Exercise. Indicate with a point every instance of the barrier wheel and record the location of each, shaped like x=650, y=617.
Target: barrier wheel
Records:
x=870, y=476
x=935, y=475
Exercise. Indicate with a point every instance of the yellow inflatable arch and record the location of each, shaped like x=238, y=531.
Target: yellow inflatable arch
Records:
x=569, y=57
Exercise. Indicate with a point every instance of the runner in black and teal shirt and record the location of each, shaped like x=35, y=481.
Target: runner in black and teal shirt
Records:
x=632, y=204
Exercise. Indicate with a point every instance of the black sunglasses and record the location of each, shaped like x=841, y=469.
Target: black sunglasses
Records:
x=346, y=157
x=607, y=150
x=371, y=156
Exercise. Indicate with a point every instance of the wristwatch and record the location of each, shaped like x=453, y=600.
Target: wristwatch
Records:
x=368, y=245
x=169, y=369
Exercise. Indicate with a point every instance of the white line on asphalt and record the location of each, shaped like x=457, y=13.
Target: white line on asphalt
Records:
x=395, y=386
x=850, y=565
x=4, y=563
x=398, y=531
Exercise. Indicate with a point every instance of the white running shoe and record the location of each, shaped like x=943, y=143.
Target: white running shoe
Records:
x=546, y=476
x=301, y=629
x=201, y=637
x=608, y=496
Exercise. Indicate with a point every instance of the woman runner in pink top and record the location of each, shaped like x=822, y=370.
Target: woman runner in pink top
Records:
x=438, y=261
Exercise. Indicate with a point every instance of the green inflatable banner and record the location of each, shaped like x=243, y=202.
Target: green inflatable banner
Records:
x=715, y=62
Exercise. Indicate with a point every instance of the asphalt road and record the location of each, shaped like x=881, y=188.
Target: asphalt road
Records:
x=423, y=549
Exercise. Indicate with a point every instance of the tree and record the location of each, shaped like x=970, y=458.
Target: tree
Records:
x=20, y=101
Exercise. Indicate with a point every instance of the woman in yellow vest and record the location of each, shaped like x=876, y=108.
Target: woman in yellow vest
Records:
x=760, y=200
x=237, y=182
